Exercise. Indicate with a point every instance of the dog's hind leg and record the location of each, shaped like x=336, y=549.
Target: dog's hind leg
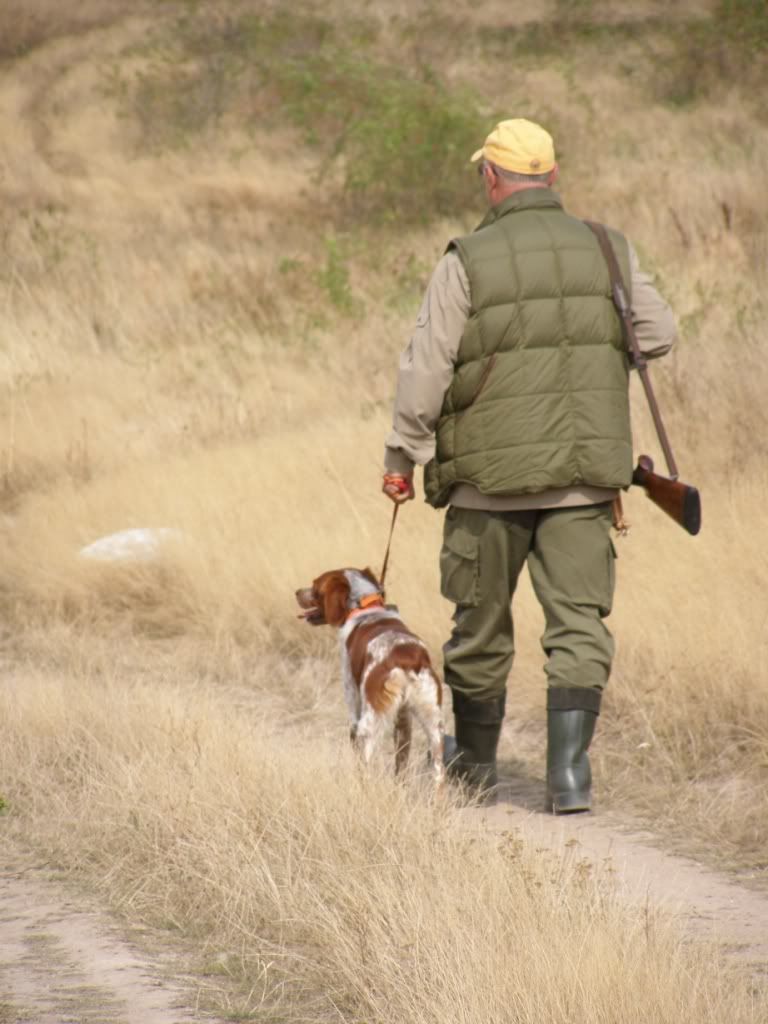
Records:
x=430, y=718
x=365, y=735
x=402, y=739
x=351, y=694
x=434, y=730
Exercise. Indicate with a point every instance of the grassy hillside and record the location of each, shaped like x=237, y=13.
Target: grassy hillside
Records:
x=217, y=221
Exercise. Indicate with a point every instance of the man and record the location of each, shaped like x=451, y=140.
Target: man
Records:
x=513, y=393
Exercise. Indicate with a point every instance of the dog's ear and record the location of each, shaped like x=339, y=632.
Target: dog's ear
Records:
x=368, y=573
x=336, y=600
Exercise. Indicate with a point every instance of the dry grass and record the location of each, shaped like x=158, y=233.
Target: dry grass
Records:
x=191, y=340
x=197, y=817
x=26, y=26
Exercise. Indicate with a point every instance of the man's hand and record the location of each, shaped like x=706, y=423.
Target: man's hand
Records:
x=398, y=488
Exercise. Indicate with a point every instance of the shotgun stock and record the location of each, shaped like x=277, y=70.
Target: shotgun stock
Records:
x=678, y=500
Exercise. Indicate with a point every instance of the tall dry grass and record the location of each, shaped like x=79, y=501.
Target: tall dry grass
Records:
x=315, y=892
x=192, y=339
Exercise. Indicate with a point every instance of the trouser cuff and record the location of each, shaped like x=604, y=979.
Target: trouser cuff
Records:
x=573, y=698
x=482, y=712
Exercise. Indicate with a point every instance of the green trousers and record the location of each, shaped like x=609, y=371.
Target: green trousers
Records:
x=570, y=558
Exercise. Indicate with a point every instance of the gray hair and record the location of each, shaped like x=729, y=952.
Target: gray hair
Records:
x=516, y=175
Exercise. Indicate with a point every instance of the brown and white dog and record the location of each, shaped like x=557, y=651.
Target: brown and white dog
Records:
x=387, y=675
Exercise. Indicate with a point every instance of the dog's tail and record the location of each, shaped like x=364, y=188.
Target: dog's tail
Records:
x=387, y=690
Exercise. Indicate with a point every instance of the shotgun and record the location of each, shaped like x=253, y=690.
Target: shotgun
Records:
x=680, y=501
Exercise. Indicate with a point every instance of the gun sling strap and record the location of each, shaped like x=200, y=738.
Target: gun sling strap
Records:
x=621, y=302
x=688, y=515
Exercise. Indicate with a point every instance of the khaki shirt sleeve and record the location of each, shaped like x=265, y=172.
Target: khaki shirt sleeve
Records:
x=653, y=320
x=427, y=366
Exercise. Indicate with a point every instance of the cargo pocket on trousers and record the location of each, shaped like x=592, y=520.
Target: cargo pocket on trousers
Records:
x=606, y=604
x=459, y=566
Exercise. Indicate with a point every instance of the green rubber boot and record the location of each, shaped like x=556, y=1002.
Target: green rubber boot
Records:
x=571, y=718
x=471, y=755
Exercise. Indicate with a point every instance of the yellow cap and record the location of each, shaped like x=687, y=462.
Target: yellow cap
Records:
x=519, y=145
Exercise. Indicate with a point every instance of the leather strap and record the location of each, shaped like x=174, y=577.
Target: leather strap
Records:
x=618, y=291
x=383, y=574
x=637, y=359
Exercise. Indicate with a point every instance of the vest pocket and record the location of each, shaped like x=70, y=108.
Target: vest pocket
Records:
x=459, y=564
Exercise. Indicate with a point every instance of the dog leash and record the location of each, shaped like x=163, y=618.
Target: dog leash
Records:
x=383, y=574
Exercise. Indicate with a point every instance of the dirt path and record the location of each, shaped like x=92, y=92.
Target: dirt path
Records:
x=707, y=905
x=61, y=963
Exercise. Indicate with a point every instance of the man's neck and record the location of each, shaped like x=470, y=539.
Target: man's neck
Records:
x=516, y=186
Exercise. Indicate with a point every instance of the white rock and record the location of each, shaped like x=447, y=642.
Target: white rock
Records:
x=138, y=545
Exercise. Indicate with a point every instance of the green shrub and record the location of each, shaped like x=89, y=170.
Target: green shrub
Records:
x=399, y=139
x=334, y=279
x=744, y=24
x=677, y=60
x=730, y=48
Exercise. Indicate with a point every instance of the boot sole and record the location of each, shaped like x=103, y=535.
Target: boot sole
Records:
x=570, y=803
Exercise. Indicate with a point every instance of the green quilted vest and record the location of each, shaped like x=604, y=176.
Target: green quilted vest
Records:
x=540, y=393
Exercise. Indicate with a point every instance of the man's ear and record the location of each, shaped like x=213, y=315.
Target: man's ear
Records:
x=554, y=174
x=336, y=601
